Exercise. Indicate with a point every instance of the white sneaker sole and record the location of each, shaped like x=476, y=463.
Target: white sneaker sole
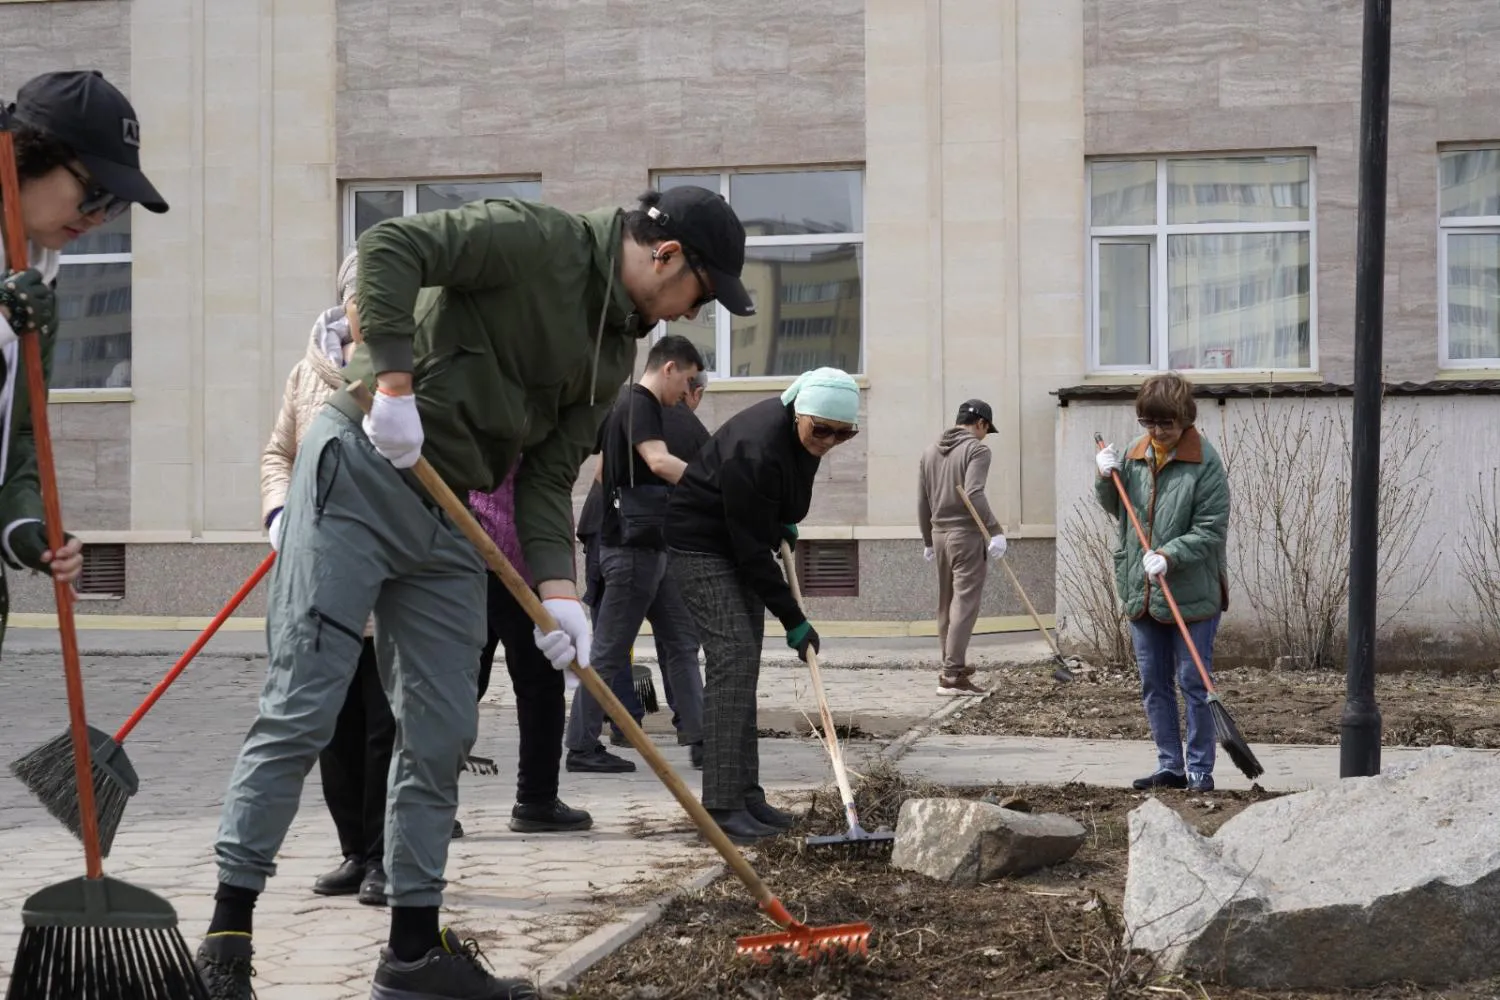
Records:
x=960, y=693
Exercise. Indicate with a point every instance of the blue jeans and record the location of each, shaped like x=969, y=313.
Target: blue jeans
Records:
x=1166, y=665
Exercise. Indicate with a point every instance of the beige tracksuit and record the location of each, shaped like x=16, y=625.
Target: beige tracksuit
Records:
x=949, y=529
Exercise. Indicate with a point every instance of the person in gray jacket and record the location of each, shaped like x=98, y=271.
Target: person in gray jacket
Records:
x=950, y=535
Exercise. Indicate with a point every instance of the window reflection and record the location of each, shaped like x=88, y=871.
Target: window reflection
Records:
x=93, y=345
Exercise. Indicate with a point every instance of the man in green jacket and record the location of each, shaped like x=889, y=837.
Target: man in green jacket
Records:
x=487, y=329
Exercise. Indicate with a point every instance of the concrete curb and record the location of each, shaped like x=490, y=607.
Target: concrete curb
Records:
x=557, y=973
x=897, y=748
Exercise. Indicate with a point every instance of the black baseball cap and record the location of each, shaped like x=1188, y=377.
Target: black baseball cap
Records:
x=89, y=113
x=976, y=408
x=705, y=224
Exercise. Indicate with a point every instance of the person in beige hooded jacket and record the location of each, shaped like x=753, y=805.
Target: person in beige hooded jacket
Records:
x=950, y=535
x=355, y=766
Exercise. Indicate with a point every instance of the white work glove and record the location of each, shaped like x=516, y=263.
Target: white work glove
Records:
x=1154, y=563
x=928, y=554
x=573, y=637
x=1107, y=460
x=395, y=429
x=998, y=547
x=275, y=531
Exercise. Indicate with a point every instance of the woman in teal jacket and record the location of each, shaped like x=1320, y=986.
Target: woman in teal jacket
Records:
x=1180, y=491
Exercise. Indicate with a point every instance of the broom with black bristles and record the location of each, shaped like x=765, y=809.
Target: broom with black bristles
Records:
x=1230, y=738
x=95, y=937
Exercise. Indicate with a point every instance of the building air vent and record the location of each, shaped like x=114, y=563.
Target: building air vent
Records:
x=103, y=571
x=828, y=569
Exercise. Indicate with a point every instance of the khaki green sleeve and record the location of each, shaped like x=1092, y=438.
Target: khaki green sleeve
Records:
x=484, y=244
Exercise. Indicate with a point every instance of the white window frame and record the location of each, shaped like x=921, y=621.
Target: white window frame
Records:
x=89, y=393
x=1156, y=235
x=1477, y=225
x=723, y=322
x=408, y=189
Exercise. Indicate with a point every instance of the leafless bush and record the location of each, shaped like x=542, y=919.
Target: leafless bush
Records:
x=1097, y=629
x=1289, y=471
x=1479, y=559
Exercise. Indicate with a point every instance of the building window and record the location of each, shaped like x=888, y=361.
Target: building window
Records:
x=804, y=254
x=369, y=202
x=1202, y=262
x=1469, y=257
x=93, y=310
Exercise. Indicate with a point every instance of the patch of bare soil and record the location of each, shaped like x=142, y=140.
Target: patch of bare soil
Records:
x=1419, y=708
x=1054, y=935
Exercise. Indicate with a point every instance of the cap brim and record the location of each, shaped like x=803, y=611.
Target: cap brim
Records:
x=124, y=182
x=730, y=291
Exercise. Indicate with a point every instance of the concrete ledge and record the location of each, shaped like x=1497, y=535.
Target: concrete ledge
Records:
x=835, y=629
x=558, y=972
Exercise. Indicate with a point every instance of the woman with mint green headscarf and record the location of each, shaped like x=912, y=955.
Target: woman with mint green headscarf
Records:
x=742, y=494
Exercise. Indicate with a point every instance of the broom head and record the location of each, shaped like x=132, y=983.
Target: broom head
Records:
x=645, y=688
x=103, y=939
x=49, y=772
x=1233, y=743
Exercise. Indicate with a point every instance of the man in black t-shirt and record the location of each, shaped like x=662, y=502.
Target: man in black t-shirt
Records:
x=636, y=471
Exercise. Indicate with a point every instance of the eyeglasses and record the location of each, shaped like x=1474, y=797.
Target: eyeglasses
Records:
x=1150, y=424
x=96, y=200
x=823, y=432
x=709, y=295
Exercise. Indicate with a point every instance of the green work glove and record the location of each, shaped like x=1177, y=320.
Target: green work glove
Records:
x=27, y=543
x=801, y=637
x=30, y=301
x=789, y=532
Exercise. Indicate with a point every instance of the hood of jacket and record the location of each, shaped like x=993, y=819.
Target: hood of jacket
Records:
x=954, y=438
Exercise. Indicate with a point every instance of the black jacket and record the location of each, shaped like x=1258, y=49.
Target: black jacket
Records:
x=683, y=435
x=751, y=478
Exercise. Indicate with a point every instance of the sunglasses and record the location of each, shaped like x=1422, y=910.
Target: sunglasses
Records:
x=96, y=200
x=709, y=295
x=1150, y=424
x=823, y=432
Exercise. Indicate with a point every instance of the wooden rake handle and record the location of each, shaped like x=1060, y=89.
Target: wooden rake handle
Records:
x=1161, y=581
x=36, y=383
x=830, y=734
x=1014, y=580
x=501, y=567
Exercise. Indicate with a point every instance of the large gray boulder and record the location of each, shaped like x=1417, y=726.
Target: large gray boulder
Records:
x=966, y=842
x=1365, y=881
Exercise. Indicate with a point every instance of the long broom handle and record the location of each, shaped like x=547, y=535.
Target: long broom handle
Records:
x=502, y=568
x=198, y=644
x=1014, y=580
x=830, y=734
x=36, y=382
x=1161, y=581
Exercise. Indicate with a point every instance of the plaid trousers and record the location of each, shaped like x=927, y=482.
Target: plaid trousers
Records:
x=731, y=624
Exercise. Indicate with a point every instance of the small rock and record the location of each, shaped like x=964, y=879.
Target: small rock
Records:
x=965, y=843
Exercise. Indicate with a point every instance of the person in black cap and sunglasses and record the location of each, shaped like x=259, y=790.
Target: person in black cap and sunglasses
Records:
x=497, y=326
x=77, y=142
x=950, y=535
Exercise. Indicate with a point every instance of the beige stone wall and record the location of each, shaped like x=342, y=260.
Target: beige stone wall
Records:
x=974, y=256
x=236, y=101
x=1169, y=76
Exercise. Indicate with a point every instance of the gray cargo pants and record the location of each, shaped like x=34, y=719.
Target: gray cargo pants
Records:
x=358, y=537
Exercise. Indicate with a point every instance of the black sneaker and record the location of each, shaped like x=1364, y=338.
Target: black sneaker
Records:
x=372, y=889
x=224, y=963
x=451, y=971
x=343, y=880
x=695, y=755
x=548, y=817
x=1161, y=779
x=458, y=830
x=598, y=761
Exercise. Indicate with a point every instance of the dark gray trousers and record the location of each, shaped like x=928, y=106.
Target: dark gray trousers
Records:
x=731, y=624
x=637, y=587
